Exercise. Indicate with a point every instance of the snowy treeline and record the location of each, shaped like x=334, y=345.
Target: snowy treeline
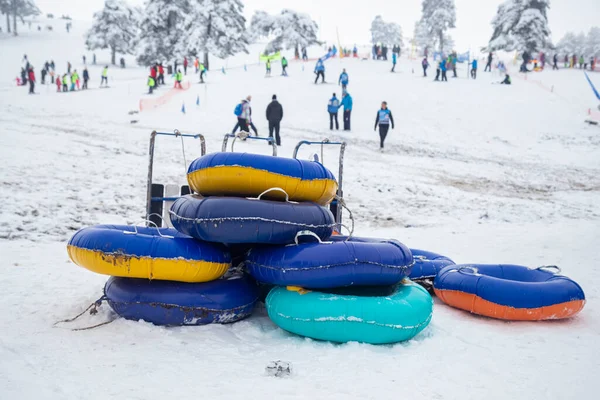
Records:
x=431, y=31
x=580, y=44
x=521, y=25
x=387, y=33
x=17, y=9
x=287, y=30
x=114, y=28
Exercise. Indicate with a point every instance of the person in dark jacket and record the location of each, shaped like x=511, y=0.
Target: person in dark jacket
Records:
x=86, y=78
x=347, y=104
x=506, y=80
x=489, y=62
x=383, y=119
x=332, y=108
x=44, y=72
x=274, y=116
x=555, y=62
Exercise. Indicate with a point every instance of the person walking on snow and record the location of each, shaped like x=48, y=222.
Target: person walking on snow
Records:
x=151, y=84
x=202, y=72
x=68, y=67
x=394, y=60
x=343, y=79
x=185, y=65
x=425, y=65
x=86, y=78
x=104, y=76
x=268, y=66
x=73, y=80
x=31, y=81
x=153, y=71
x=489, y=63
x=44, y=72
x=65, y=83
x=581, y=61
x=555, y=62
x=178, y=79
x=58, y=84
x=243, y=112
x=443, y=68
x=474, y=69
x=347, y=104
x=196, y=64
x=332, y=108
x=161, y=74
x=274, y=116
x=284, y=65
x=76, y=78
x=453, y=60
x=383, y=119
x=320, y=71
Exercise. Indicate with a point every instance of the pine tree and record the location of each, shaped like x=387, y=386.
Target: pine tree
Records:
x=161, y=29
x=289, y=29
x=215, y=27
x=521, y=25
x=385, y=32
x=18, y=9
x=568, y=44
x=592, y=42
x=437, y=17
x=114, y=28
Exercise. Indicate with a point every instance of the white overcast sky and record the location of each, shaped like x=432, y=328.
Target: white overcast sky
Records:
x=352, y=18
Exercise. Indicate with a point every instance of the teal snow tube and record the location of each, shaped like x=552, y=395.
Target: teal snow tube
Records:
x=375, y=315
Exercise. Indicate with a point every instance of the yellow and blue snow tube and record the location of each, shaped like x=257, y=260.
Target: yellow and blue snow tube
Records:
x=150, y=253
x=249, y=175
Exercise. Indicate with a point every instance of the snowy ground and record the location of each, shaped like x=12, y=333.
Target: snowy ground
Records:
x=475, y=171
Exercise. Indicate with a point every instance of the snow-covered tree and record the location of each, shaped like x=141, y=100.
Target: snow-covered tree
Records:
x=161, y=29
x=437, y=17
x=18, y=9
x=114, y=28
x=388, y=33
x=287, y=30
x=592, y=42
x=215, y=27
x=521, y=25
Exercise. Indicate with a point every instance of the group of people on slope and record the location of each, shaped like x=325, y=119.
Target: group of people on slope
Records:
x=333, y=107
x=380, y=51
x=284, y=65
x=274, y=114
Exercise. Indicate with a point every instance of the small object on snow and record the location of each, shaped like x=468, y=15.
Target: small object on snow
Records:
x=198, y=100
x=133, y=112
x=589, y=121
x=133, y=121
x=183, y=108
x=279, y=368
x=223, y=70
x=245, y=69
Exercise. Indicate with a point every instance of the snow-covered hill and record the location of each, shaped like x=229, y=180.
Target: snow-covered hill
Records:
x=476, y=171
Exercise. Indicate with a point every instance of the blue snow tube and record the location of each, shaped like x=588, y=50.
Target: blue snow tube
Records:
x=427, y=264
x=377, y=315
x=241, y=220
x=331, y=264
x=177, y=303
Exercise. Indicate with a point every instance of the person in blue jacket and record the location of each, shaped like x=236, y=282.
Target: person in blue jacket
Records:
x=332, y=108
x=383, y=118
x=474, y=69
x=343, y=79
x=347, y=104
x=394, y=59
x=320, y=71
x=443, y=68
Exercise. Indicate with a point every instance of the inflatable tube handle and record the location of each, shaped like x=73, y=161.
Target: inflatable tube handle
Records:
x=474, y=271
x=419, y=258
x=157, y=229
x=275, y=189
x=555, y=267
x=306, y=233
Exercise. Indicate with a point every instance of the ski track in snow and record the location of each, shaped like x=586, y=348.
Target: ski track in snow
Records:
x=478, y=172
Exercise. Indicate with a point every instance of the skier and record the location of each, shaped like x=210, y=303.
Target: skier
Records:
x=58, y=84
x=44, y=72
x=443, y=68
x=104, y=76
x=65, y=83
x=474, y=69
x=394, y=59
x=268, y=66
x=332, y=108
x=343, y=79
x=489, y=63
x=320, y=71
x=31, y=81
x=555, y=62
x=425, y=65
x=185, y=65
x=73, y=79
x=383, y=119
x=284, y=64
x=274, y=116
x=347, y=104
x=86, y=78
x=161, y=74
x=178, y=79
x=151, y=84
x=202, y=72
x=506, y=80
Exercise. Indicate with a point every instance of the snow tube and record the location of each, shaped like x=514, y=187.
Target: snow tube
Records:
x=510, y=292
x=177, y=303
x=376, y=315
x=331, y=264
x=241, y=220
x=249, y=175
x=427, y=264
x=151, y=253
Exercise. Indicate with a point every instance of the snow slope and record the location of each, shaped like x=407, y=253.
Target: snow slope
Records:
x=475, y=171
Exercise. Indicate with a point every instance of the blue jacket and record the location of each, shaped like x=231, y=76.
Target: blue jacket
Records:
x=347, y=102
x=474, y=64
x=394, y=58
x=320, y=66
x=384, y=117
x=443, y=65
x=334, y=105
x=343, y=78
